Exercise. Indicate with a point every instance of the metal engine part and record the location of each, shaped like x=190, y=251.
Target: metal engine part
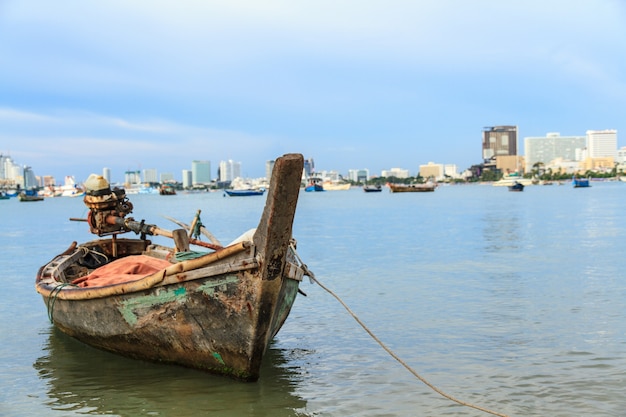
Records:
x=103, y=203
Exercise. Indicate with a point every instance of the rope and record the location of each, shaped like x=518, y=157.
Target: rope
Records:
x=311, y=276
x=53, y=298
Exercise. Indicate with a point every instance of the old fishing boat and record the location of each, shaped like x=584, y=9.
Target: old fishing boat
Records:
x=412, y=188
x=214, y=311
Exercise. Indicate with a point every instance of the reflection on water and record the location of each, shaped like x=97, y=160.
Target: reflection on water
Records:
x=89, y=381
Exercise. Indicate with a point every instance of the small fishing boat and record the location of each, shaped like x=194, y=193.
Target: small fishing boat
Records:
x=580, y=182
x=214, y=311
x=372, y=188
x=167, y=189
x=314, y=185
x=4, y=196
x=517, y=186
x=28, y=196
x=245, y=193
x=412, y=188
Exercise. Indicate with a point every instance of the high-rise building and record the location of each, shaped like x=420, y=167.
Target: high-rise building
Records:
x=359, y=175
x=166, y=177
x=309, y=167
x=187, y=178
x=545, y=149
x=150, y=175
x=499, y=141
x=201, y=172
x=106, y=174
x=602, y=143
x=269, y=167
x=229, y=170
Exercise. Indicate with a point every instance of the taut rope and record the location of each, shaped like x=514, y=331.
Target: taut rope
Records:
x=310, y=274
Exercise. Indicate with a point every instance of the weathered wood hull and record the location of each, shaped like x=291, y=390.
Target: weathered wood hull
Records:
x=217, y=313
x=413, y=188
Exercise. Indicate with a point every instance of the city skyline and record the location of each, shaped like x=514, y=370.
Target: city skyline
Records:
x=352, y=84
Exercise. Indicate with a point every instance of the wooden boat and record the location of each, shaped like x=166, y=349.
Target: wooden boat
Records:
x=580, y=182
x=217, y=312
x=245, y=193
x=411, y=188
x=372, y=188
x=29, y=196
x=335, y=186
x=167, y=189
x=517, y=186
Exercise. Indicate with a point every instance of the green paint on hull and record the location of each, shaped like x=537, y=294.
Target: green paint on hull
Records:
x=129, y=308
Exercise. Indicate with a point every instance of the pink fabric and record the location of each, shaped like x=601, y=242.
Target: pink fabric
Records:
x=130, y=268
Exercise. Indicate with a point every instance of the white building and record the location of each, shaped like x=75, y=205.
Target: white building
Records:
x=602, y=143
x=106, y=174
x=395, y=172
x=187, y=178
x=229, y=170
x=551, y=147
x=150, y=175
x=359, y=175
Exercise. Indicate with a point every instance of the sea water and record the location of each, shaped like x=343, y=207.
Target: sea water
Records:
x=511, y=301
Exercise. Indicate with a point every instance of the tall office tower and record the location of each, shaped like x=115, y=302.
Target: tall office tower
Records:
x=499, y=141
x=269, y=167
x=602, y=143
x=106, y=174
x=229, y=170
x=29, y=178
x=201, y=172
x=187, y=178
x=545, y=149
x=359, y=175
x=150, y=175
x=309, y=166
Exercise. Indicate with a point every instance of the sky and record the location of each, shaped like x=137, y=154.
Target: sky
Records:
x=352, y=84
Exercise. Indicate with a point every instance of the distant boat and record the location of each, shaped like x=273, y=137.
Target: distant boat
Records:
x=412, y=188
x=510, y=179
x=372, y=188
x=335, y=185
x=245, y=193
x=580, y=182
x=314, y=185
x=27, y=196
x=4, y=196
x=167, y=189
x=517, y=186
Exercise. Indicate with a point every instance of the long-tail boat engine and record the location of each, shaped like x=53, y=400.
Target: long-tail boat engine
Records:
x=106, y=206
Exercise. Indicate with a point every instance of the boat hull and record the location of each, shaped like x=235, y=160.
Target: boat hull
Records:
x=220, y=324
x=412, y=188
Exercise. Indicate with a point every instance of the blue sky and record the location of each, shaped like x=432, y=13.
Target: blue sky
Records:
x=350, y=83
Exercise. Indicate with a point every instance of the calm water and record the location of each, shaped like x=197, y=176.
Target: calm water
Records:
x=512, y=301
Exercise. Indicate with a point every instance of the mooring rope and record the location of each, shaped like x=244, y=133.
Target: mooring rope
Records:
x=52, y=298
x=311, y=276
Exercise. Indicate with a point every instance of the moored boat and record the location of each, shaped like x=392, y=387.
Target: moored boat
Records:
x=580, y=182
x=167, y=189
x=245, y=193
x=28, y=196
x=215, y=312
x=517, y=186
x=372, y=188
x=412, y=188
